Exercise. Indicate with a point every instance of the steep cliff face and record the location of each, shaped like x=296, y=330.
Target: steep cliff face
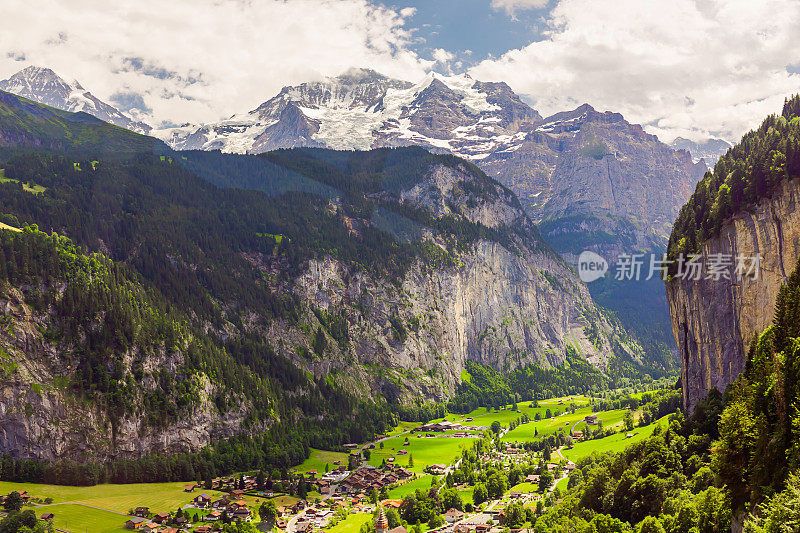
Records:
x=42, y=417
x=714, y=321
x=494, y=305
x=495, y=308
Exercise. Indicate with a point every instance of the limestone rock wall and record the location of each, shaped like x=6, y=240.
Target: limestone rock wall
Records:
x=715, y=321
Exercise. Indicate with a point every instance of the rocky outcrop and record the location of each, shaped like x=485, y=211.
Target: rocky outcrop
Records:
x=714, y=321
x=42, y=417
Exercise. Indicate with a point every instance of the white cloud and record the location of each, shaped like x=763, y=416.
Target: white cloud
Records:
x=441, y=55
x=199, y=60
x=511, y=6
x=682, y=67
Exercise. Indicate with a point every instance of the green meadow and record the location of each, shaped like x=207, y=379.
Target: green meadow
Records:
x=351, y=524
x=426, y=451
x=318, y=459
x=420, y=483
x=119, y=498
x=77, y=518
x=614, y=443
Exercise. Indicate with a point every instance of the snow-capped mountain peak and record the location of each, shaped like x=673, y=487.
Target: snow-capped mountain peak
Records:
x=43, y=85
x=361, y=109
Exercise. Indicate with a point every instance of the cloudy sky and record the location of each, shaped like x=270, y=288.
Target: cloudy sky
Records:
x=694, y=68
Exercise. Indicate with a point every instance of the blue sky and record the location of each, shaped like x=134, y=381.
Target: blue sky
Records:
x=459, y=26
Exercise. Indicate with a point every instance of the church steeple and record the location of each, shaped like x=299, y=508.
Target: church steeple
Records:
x=381, y=523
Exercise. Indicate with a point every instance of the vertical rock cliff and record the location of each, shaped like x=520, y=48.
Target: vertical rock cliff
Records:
x=715, y=321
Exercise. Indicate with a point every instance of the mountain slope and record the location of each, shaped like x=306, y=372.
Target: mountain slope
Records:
x=353, y=281
x=46, y=87
x=27, y=123
x=591, y=180
x=746, y=207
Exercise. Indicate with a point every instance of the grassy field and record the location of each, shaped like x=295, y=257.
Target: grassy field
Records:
x=535, y=429
x=425, y=451
x=351, y=524
x=421, y=483
x=77, y=518
x=614, y=443
x=404, y=426
x=562, y=485
x=32, y=188
x=6, y=226
x=553, y=402
x=525, y=487
x=121, y=498
x=319, y=458
x=564, y=423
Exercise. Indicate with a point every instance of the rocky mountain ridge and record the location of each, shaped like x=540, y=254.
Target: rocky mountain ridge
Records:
x=46, y=87
x=367, y=274
x=743, y=224
x=714, y=321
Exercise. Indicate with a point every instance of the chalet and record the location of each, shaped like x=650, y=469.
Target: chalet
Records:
x=181, y=521
x=135, y=523
x=578, y=435
x=299, y=506
x=453, y=515
x=591, y=419
x=203, y=529
x=220, y=504
x=202, y=501
x=281, y=523
x=150, y=526
x=47, y=517
x=213, y=516
x=516, y=493
x=189, y=488
x=141, y=512
x=482, y=528
x=570, y=467
x=303, y=527
x=393, y=503
x=161, y=518
x=437, y=469
x=532, y=478
x=241, y=514
x=238, y=504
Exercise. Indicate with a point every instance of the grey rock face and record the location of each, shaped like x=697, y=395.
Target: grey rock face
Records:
x=715, y=321
x=45, y=86
x=40, y=416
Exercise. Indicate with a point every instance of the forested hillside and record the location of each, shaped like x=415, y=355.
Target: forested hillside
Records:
x=312, y=293
x=733, y=461
x=747, y=173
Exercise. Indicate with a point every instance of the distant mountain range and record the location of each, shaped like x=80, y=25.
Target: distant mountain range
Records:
x=710, y=150
x=590, y=179
x=45, y=86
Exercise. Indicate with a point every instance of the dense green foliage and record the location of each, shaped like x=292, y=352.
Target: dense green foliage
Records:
x=489, y=388
x=760, y=427
x=749, y=172
x=664, y=483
